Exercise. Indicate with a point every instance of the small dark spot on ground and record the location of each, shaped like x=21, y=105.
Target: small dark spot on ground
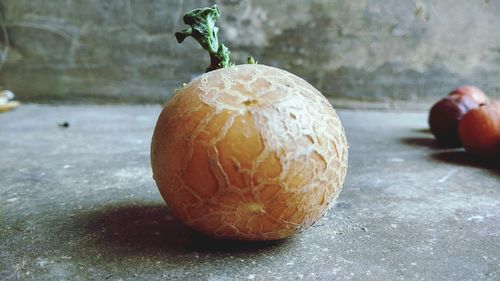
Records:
x=64, y=124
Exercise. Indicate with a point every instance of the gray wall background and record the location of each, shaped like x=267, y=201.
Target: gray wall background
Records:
x=125, y=51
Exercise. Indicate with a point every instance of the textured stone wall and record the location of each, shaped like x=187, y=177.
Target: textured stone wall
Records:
x=125, y=51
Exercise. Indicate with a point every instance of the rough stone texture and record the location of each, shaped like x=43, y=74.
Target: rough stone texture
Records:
x=124, y=50
x=79, y=203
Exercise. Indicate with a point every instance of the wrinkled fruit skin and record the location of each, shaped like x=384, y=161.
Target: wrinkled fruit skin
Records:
x=249, y=152
x=480, y=131
x=444, y=118
x=472, y=92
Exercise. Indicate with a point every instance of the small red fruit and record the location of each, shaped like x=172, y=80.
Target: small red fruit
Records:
x=445, y=115
x=479, y=131
x=472, y=92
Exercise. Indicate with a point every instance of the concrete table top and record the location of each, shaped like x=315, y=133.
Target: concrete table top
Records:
x=79, y=203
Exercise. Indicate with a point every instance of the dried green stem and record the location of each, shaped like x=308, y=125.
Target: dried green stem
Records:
x=202, y=29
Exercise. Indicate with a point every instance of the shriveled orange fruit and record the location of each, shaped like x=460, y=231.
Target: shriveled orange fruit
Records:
x=249, y=152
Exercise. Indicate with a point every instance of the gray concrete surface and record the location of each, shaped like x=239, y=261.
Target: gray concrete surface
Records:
x=125, y=51
x=79, y=203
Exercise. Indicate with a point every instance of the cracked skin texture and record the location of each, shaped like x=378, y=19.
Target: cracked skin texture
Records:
x=249, y=152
